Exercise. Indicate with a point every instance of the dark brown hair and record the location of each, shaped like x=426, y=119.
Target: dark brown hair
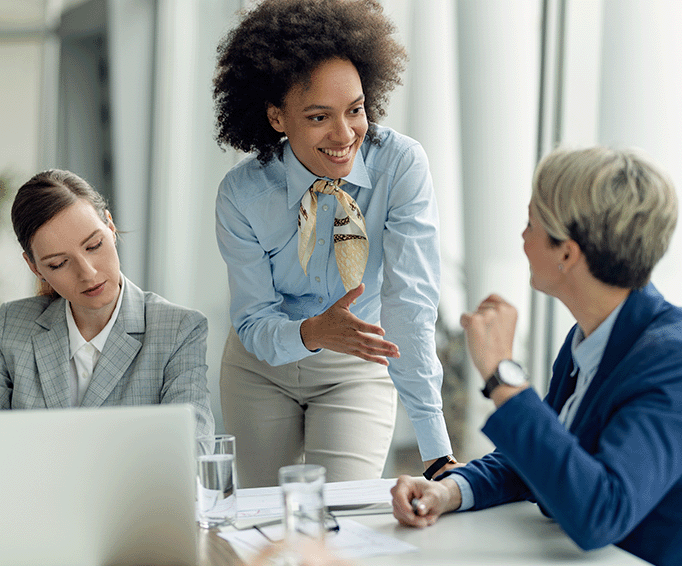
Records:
x=44, y=196
x=279, y=44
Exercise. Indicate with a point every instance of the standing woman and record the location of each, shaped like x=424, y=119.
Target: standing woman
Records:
x=92, y=338
x=330, y=234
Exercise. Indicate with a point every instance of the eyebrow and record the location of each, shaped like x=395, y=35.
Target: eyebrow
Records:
x=321, y=107
x=48, y=256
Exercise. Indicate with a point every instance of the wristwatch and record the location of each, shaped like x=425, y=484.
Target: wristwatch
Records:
x=437, y=465
x=507, y=372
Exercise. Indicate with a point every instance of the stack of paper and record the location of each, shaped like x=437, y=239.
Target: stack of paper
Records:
x=262, y=508
x=261, y=505
x=352, y=540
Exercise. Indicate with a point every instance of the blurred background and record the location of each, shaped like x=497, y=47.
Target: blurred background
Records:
x=119, y=91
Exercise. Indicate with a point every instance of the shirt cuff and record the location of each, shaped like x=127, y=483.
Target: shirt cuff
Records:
x=432, y=437
x=293, y=343
x=465, y=490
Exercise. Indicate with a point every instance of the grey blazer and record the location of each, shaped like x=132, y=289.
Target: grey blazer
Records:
x=156, y=353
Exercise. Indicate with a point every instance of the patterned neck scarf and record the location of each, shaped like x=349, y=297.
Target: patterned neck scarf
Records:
x=351, y=247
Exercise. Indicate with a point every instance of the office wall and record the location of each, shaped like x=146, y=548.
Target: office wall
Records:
x=182, y=262
x=641, y=99
x=19, y=116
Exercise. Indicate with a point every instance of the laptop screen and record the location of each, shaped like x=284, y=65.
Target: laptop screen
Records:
x=104, y=486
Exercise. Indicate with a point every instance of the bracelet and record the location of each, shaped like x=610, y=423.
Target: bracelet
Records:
x=438, y=464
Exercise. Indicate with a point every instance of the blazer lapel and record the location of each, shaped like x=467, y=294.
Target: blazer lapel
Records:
x=120, y=348
x=562, y=384
x=51, y=350
x=641, y=306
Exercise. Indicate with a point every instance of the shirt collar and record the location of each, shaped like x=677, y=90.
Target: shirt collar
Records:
x=588, y=352
x=76, y=340
x=299, y=179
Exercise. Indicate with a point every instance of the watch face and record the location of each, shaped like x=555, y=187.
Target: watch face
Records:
x=511, y=373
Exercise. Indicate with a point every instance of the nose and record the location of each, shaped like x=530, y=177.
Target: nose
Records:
x=343, y=132
x=86, y=270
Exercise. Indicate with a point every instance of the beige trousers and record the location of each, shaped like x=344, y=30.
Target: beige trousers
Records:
x=331, y=409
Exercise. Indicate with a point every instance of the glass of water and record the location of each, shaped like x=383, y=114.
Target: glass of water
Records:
x=216, y=481
x=303, y=494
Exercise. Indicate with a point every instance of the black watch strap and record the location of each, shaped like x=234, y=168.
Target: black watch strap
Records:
x=492, y=382
x=437, y=465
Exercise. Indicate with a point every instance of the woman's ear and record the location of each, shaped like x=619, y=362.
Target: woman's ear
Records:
x=32, y=266
x=275, y=118
x=110, y=224
x=571, y=253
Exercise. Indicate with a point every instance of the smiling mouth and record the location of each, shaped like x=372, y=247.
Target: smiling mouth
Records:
x=340, y=153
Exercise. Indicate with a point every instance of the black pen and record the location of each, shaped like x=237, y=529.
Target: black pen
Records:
x=416, y=504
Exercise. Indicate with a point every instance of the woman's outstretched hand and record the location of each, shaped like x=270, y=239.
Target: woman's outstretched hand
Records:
x=340, y=330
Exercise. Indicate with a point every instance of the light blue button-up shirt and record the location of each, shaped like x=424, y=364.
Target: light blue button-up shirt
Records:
x=587, y=354
x=256, y=224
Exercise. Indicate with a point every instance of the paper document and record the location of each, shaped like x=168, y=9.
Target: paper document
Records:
x=352, y=541
x=361, y=492
x=264, y=504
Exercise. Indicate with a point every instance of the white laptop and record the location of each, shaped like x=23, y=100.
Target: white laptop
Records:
x=98, y=487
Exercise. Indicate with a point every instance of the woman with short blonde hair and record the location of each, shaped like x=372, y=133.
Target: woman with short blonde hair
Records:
x=618, y=206
x=602, y=455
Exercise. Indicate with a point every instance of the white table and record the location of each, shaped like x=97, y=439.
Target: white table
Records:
x=513, y=534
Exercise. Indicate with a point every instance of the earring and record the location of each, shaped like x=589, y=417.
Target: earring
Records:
x=43, y=280
x=561, y=267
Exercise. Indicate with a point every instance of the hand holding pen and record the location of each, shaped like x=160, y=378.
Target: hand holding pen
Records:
x=418, y=508
x=419, y=502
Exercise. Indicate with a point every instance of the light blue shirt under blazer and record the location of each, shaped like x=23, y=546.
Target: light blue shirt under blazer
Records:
x=587, y=354
x=256, y=223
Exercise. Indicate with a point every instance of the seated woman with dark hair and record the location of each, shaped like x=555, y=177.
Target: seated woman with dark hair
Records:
x=602, y=454
x=92, y=338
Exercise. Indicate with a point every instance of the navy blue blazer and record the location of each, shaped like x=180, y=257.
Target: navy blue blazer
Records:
x=616, y=476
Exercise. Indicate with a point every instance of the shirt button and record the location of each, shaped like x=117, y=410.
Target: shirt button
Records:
x=84, y=376
x=320, y=241
x=325, y=208
x=320, y=300
x=317, y=279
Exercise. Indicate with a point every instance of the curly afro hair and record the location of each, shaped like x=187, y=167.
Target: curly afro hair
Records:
x=279, y=44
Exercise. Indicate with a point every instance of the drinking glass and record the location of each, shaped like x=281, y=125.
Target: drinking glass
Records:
x=216, y=485
x=303, y=493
